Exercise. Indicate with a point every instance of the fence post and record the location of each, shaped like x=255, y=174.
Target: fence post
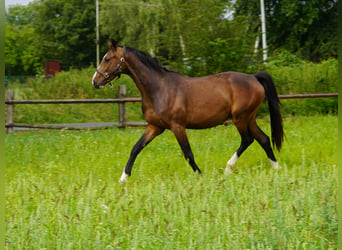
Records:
x=10, y=109
x=122, y=106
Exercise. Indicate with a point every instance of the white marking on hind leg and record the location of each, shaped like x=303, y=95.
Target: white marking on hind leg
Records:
x=274, y=164
x=123, y=177
x=231, y=163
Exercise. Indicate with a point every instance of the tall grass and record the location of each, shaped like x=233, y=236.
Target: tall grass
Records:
x=62, y=191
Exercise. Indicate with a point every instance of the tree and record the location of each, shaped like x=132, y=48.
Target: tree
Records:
x=195, y=37
x=20, y=54
x=213, y=42
x=66, y=31
x=307, y=28
x=182, y=34
x=50, y=30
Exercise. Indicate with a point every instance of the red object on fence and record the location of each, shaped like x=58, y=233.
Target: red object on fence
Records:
x=52, y=67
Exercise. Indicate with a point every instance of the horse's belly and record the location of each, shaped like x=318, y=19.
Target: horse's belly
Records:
x=208, y=120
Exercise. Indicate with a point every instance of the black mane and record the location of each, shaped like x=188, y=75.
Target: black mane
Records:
x=147, y=60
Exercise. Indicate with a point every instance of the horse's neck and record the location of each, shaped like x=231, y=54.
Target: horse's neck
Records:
x=147, y=80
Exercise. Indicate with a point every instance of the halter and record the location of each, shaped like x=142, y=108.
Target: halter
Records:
x=117, y=68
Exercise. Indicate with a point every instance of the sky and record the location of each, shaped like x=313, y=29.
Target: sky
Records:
x=16, y=2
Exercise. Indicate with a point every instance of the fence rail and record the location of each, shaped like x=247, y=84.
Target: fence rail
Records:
x=138, y=99
x=74, y=101
x=10, y=101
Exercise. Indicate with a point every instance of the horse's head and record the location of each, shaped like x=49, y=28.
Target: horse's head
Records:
x=111, y=66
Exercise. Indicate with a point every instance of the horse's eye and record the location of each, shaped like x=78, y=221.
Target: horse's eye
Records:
x=107, y=59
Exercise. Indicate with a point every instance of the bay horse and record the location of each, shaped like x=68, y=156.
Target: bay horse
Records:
x=176, y=102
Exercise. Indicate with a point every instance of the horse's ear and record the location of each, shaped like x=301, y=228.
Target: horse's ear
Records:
x=113, y=44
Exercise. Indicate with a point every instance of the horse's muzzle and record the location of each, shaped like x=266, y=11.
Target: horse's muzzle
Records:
x=95, y=82
x=95, y=86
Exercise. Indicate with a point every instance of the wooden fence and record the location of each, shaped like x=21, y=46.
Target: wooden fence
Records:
x=121, y=101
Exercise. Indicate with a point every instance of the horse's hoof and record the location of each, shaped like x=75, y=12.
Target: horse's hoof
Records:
x=275, y=164
x=123, y=178
x=228, y=170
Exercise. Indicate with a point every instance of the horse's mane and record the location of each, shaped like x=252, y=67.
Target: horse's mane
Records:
x=147, y=60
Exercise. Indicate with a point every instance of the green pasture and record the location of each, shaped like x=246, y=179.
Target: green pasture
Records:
x=62, y=190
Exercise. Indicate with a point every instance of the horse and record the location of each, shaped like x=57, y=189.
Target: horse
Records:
x=171, y=100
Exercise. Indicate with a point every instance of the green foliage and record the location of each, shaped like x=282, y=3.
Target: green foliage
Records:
x=49, y=30
x=19, y=15
x=21, y=54
x=294, y=76
x=182, y=34
x=62, y=191
x=307, y=28
x=74, y=84
x=66, y=31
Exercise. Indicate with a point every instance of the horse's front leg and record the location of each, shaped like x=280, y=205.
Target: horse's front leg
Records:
x=150, y=133
x=180, y=133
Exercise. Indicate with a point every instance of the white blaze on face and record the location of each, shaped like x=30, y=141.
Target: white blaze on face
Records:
x=93, y=80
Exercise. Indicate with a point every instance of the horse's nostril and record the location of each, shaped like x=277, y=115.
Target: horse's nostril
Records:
x=94, y=84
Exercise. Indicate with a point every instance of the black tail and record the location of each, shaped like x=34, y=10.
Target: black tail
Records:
x=273, y=105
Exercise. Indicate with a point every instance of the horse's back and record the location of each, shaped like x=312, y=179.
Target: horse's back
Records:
x=230, y=87
x=211, y=100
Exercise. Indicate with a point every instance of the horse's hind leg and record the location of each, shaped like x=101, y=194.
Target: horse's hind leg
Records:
x=246, y=140
x=264, y=141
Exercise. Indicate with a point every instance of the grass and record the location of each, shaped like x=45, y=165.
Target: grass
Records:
x=62, y=191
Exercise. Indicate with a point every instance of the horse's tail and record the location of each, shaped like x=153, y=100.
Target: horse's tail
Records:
x=273, y=105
